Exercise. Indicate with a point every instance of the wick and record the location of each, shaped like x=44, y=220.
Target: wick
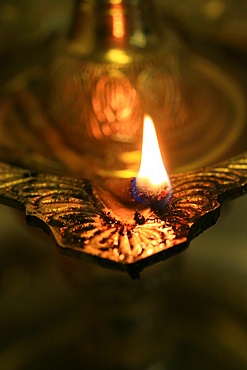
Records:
x=156, y=198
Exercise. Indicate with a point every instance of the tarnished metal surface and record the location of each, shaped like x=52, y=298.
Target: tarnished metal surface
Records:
x=83, y=227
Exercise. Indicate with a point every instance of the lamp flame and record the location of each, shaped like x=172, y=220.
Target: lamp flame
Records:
x=152, y=185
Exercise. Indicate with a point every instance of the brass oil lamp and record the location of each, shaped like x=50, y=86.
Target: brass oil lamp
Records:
x=75, y=159
x=83, y=108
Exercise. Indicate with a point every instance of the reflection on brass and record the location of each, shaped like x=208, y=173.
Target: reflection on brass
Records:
x=82, y=226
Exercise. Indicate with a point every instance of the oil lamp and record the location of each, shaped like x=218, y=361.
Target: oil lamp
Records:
x=115, y=236
x=74, y=124
x=81, y=113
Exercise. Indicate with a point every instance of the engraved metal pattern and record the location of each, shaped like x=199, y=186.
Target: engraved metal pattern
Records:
x=116, y=105
x=81, y=225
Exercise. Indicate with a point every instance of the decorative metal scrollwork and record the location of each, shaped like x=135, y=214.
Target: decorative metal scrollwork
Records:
x=82, y=226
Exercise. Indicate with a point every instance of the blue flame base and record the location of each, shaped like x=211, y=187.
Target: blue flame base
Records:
x=156, y=199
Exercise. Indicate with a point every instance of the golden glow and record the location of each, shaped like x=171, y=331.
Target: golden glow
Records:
x=214, y=8
x=152, y=169
x=115, y=2
x=118, y=28
x=117, y=56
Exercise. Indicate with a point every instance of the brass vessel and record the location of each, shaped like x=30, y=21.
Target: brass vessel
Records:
x=91, y=89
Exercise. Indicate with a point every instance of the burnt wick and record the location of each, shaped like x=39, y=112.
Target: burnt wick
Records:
x=153, y=197
x=139, y=218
